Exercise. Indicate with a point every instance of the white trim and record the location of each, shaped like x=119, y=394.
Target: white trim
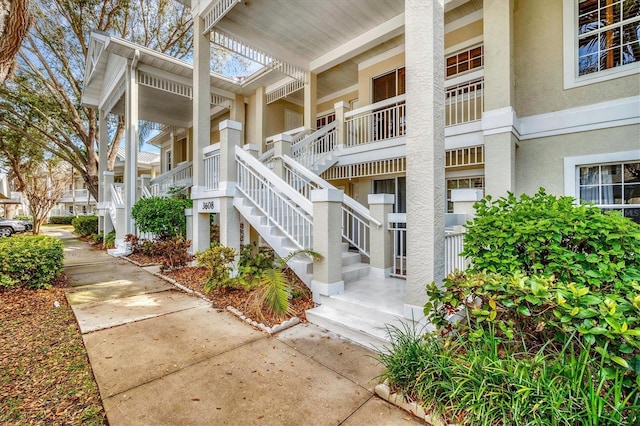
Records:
x=501, y=120
x=570, y=59
x=603, y=115
x=337, y=94
x=571, y=166
x=464, y=78
x=464, y=45
x=464, y=21
x=381, y=57
x=464, y=174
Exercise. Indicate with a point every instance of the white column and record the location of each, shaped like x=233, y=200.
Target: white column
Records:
x=310, y=100
x=341, y=129
x=499, y=118
x=230, y=134
x=260, y=118
x=131, y=148
x=102, y=162
x=327, y=241
x=380, y=239
x=107, y=180
x=424, y=53
x=281, y=146
x=201, y=126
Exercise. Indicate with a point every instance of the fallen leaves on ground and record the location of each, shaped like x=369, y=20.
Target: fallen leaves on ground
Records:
x=45, y=376
x=195, y=277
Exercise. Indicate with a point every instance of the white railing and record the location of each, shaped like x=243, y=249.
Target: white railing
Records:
x=144, y=192
x=316, y=146
x=376, y=122
x=164, y=84
x=453, y=246
x=284, y=90
x=217, y=11
x=212, y=167
x=78, y=194
x=285, y=208
x=356, y=219
x=467, y=156
x=464, y=103
x=180, y=176
x=117, y=194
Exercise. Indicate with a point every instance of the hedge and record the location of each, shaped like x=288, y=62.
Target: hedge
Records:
x=61, y=220
x=30, y=261
x=85, y=225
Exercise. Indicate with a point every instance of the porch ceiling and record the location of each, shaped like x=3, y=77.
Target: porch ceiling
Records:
x=297, y=31
x=160, y=107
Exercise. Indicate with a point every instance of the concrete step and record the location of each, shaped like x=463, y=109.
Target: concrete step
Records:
x=350, y=258
x=355, y=272
x=363, y=331
x=357, y=307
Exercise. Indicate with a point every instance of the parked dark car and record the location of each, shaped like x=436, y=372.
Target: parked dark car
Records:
x=9, y=227
x=28, y=225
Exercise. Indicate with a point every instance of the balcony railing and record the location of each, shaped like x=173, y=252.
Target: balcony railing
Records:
x=78, y=194
x=180, y=176
x=385, y=120
x=212, y=167
x=453, y=246
x=376, y=122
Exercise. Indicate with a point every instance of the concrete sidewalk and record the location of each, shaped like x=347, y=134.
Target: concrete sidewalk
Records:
x=163, y=357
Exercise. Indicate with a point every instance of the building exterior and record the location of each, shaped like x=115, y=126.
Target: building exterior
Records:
x=370, y=122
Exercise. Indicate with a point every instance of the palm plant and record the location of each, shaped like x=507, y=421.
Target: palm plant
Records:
x=276, y=288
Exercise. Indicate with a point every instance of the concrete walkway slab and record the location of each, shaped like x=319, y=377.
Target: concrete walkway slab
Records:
x=110, y=313
x=163, y=357
x=116, y=289
x=263, y=382
x=171, y=342
x=351, y=361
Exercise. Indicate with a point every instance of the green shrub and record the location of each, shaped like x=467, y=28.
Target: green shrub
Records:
x=162, y=216
x=61, y=220
x=23, y=217
x=30, y=260
x=539, y=310
x=85, y=225
x=551, y=236
x=219, y=263
x=109, y=240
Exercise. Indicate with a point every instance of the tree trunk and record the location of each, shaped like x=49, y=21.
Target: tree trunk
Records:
x=14, y=23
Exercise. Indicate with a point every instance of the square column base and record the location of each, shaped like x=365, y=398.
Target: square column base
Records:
x=327, y=289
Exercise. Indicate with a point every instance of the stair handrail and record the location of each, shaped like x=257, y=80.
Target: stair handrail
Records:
x=116, y=195
x=287, y=209
x=167, y=177
x=145, y=193
x=313, y=136
x=321, y=183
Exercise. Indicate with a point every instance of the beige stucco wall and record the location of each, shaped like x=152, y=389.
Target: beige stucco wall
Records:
x=539, y=162
x=539, y=64
x=365, y=75
x=275, y=116
x=328, y=105
x=215, y=126
x=462, y=34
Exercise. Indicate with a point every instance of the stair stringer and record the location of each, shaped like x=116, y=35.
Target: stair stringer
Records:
x=281, y=244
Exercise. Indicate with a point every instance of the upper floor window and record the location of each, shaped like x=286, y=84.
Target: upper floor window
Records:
x=462, y=62
x=601, y=40
x=608, y=33
x=325, y=119
x=389, y=85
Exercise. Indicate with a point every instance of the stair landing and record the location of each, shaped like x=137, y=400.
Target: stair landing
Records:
x=363, y=311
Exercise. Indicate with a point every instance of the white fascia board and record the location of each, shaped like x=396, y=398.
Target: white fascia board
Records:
x=604, y=115
x=393, y=148
x=464, y=21
x=362, y=43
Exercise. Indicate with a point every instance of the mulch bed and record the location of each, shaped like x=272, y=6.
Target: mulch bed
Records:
x=45, y=376
x=194, y=279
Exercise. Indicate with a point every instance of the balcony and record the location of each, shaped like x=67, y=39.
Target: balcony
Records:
x=77, y=196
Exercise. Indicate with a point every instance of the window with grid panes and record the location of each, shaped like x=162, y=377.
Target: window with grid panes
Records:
x=613, y=186
x=608, y=34
x=462, y=62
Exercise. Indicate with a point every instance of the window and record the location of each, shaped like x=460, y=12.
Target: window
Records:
x=325, y=119
x=614, y=186
x=463, y=62
x=168, y=162
x=396, y=186
x=389, y=85
x=601, y=40
x=462, y=183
